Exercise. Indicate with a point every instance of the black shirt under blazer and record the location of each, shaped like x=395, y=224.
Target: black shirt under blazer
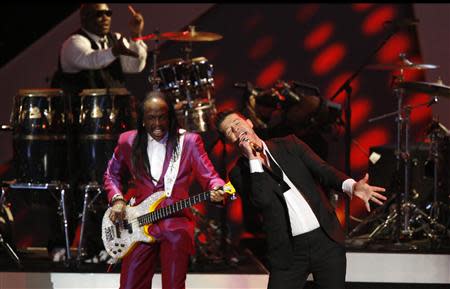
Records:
x=303, y=167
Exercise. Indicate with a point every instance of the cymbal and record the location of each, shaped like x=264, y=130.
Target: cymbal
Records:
x=182, y=36
x=192, y=35
x=434, y=89
x=401, y=66
x=151, y=36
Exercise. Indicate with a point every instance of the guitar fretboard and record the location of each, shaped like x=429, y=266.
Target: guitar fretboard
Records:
x=171, y=209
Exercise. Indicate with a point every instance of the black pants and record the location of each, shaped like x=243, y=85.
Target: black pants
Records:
x=316, y=253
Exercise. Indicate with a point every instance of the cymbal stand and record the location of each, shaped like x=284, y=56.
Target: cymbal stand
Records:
x=434, y=152
x=154, y=79
x=402, y=158
x=405, y=212
x=434, y=155
x=188, y=58
x=186, y=84
x=3, y=242
x=87, y=203
x=188, y=51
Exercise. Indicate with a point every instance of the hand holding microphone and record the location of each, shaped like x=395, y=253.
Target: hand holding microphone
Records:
x=251, y=148
x=255, y=147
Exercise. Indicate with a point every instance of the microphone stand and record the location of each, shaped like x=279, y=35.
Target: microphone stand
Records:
x=348, y=134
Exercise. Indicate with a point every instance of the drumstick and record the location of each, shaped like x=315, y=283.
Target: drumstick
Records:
x=131, y=10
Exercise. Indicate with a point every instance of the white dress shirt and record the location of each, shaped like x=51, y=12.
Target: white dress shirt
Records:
x=301, y=216
x=156, y=151
x=77, y=54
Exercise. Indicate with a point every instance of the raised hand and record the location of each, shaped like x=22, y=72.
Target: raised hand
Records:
x=367, y=193
x=136, y=23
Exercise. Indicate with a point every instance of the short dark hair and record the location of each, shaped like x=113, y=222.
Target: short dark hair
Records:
x=220, y=117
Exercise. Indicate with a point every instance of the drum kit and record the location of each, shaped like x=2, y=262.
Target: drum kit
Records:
x=188, y=81
x=408, y=219
x=58, y=145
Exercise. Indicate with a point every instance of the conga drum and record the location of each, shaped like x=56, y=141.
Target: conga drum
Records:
x=39, y=136
x=104, y=114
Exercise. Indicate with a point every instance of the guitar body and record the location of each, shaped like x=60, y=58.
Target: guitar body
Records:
x=118, y=241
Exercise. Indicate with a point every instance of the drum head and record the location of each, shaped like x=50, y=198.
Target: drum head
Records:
x=40, y=92
x=103, y=91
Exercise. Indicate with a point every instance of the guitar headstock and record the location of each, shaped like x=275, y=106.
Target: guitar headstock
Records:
x=229, y=189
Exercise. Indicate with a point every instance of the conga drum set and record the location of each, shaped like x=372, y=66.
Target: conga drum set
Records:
x=58, y=147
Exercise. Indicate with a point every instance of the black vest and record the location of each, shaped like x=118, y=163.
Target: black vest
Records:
x=73, y=83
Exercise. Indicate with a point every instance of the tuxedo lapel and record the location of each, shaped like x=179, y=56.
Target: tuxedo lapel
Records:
x=287, y=163
x=278, y=155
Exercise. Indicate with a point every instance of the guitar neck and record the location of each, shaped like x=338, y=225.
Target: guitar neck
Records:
x=171, y=209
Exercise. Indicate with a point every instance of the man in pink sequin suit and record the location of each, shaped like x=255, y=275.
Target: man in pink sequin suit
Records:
x=144, y=155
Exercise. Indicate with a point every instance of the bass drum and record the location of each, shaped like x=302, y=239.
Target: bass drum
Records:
x=104, y=115
x=39, y=136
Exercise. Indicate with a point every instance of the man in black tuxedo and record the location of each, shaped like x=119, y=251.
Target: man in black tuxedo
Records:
x=282, y=178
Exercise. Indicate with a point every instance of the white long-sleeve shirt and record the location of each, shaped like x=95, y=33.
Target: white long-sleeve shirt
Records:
x=301, y=216
x=77, y=54
x=156, y=151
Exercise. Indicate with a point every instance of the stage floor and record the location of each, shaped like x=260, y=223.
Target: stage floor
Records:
x=364, y=270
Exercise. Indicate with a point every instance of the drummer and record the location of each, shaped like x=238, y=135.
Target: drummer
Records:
x=94, y=57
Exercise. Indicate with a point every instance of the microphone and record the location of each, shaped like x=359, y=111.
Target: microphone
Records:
x=288, y=91
x=255, y=147
x=399, y=23
x=248, y=86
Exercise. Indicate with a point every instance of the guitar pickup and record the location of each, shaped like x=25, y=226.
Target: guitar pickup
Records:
x=109, y=234
x=128, y=226
x=117, y=225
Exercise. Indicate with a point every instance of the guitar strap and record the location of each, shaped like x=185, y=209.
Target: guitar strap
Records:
x=174, y=165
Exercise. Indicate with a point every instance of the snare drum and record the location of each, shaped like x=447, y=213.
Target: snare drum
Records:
x=104, y=115
x=39, y=136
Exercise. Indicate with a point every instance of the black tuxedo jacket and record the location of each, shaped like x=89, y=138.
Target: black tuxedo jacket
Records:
x=308, y=172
